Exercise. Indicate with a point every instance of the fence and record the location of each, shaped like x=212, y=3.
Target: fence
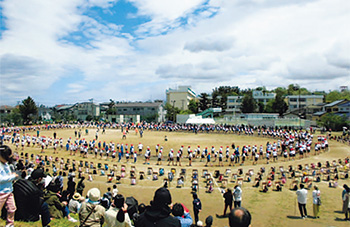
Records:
x=296, y=123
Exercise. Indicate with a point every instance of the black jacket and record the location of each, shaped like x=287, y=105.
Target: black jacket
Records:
x=154, y=217
x=28, y=198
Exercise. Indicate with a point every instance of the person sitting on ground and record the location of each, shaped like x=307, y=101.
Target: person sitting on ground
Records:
x=117, y=214
x=257, y=183
x=239, y=217
x=29, y=199
x=185, y=218
x=158, y=214
x=57, y=208
x=91, y=214
x=75, y=203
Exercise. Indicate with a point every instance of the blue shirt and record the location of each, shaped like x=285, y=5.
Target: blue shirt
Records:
x=185, y=221
x=6, y=178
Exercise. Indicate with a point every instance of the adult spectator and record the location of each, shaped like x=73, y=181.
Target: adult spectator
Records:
x=91, y=214
x=302, y=198
x=197, y=206
x=6, y=188
x=75, y=203
x=117, y=215
x=209, y=221
x=239, y=217
x=158, y=214
x=57, y=208
x=345, y=202
x=316, y=200
x=185, y=218
x=237, y=196
x=228, y=196
x=346, y=198
x=81, y=186
x=71, y=186
x=29, y=199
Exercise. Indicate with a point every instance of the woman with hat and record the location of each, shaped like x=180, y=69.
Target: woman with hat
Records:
x=74, y=204
x=117, y=215
x=91, y=213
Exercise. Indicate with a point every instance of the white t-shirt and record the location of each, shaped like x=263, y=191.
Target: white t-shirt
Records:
x=302, y=196
x=315, y=195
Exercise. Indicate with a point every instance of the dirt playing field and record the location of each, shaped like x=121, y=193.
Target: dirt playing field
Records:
x=267, y=209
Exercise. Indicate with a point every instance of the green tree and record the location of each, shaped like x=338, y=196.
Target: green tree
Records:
x=268, y=106
x=261, y=107
x=337, y=95
x=293, y=89
x=204, y=101
x=334, y=122
x=28, y=109
x=111, y=108
x=171, y=112
x=89, y=118
x=14, y=117
x=281, y=91
x=279, y=105
x=248, y=103
x=193, y=106
x=220, y=95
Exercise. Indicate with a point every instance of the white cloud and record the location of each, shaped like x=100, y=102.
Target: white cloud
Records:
x=247, y=43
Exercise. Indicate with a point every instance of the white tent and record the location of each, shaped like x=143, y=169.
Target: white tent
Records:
x=200, y=120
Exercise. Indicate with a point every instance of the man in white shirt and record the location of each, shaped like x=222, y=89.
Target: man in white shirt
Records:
x=302, y=198
x=237, y=195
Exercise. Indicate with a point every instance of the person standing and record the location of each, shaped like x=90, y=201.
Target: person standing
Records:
x=346, y=200
x=302, y=198
x=71, y=186
x=6, y=188
x=228, y=196
x=197, y=206
x=345, y=203
x=238, y=196
x=81, y=186
x=316, y=200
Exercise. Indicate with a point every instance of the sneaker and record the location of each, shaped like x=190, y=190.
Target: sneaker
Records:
x=72, y=219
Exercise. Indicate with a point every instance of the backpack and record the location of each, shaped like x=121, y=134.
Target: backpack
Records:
x=28, y=200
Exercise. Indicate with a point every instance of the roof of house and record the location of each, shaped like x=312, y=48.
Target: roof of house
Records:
x=345, y=104
x=320, y=113
x=5, y=107
x=139, y=104
x=334, y=103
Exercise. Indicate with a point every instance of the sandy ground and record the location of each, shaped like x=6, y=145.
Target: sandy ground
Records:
x=267, y=209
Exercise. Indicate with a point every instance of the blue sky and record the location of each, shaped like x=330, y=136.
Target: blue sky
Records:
x=64, y=51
